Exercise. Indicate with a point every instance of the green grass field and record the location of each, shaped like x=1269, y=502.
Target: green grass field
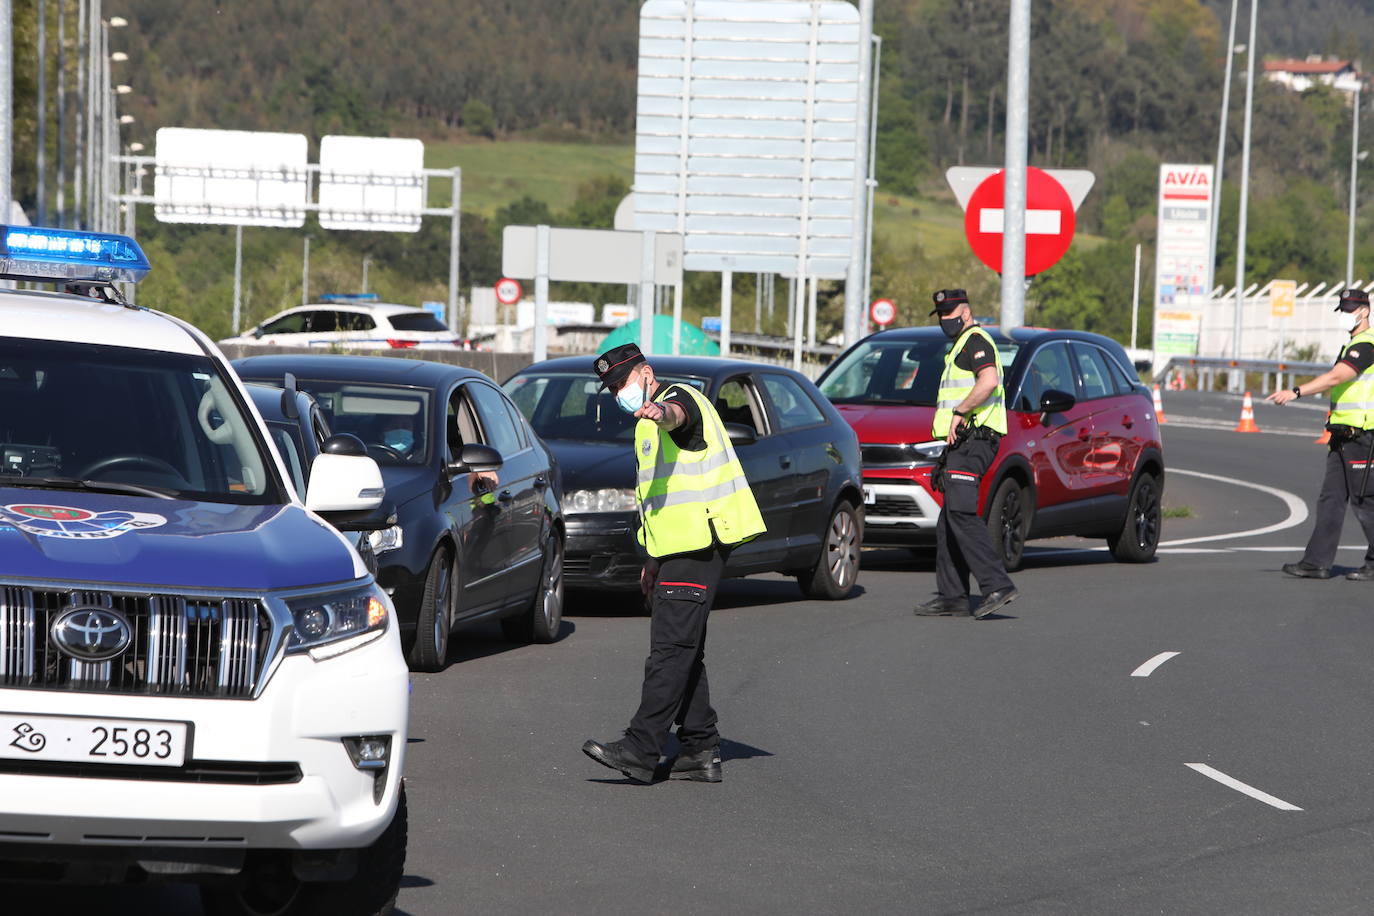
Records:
x=498, y=173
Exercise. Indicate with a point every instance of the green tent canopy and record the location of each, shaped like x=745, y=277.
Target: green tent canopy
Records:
x=694, y=341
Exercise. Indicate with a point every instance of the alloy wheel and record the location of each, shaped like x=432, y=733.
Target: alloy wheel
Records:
x=841, y=548
x=1146, y=514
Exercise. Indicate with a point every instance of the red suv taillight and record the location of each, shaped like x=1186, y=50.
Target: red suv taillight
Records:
x=401, y=344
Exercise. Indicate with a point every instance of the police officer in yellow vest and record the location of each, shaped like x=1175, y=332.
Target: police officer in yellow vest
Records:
x=1351, y=383
x=694, y=506
x=971, y=417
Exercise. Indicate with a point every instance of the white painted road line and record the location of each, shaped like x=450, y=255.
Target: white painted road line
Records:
x=1297, y=510
x=1149, y=667
x=1241, y=787
x=1227, y=426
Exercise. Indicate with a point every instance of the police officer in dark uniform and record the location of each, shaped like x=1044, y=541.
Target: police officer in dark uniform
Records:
x=971, y=417
x=1347, y=480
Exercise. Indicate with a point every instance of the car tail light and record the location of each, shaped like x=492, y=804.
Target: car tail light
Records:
x=401, y=344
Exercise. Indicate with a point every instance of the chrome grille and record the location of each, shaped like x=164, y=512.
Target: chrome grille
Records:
x=203, y=647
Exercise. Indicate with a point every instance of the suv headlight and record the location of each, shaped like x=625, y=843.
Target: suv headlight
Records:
x=599, y=501
x=386, y=539
x=930, y=450
x=331, y=624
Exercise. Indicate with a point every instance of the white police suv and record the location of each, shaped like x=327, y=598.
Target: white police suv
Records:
x=198, y=678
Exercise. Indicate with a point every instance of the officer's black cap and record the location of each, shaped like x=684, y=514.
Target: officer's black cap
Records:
x=1352, y=299
x=947, y=300
x=613, y=366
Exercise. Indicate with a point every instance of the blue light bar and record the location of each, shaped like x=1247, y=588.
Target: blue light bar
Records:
x=33, y=253
x=349, y=297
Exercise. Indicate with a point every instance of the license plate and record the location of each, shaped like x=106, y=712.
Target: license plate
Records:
x=869, y=496
x=73, y=739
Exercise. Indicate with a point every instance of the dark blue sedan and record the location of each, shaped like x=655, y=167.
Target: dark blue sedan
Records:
x=799, y=455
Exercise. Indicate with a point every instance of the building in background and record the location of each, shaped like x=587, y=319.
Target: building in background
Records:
x=1315, y=70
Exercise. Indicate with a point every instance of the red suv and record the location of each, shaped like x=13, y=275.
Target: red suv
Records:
x=1081, y=456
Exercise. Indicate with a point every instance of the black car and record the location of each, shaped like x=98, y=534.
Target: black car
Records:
x=800, y=457
x=475, y=491
x=299, y=432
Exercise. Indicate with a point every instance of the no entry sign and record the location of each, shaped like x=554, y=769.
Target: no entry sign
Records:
x=883, y=312
x=1049, y=221
x=508, y=291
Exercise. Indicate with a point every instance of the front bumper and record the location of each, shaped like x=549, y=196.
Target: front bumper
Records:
x=300, y=718
x=899, y=510
x=602, y=552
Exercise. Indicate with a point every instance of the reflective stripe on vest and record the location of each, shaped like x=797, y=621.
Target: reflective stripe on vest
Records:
x=955, y=385
x=1352, y=402
x=688, y=499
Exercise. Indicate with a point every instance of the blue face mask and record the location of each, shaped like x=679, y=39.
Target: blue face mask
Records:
x=631, y=398
x=399, y=440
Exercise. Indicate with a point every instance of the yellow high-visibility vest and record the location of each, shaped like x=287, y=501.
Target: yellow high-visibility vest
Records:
x=1352, y=402
x=687, y=498
x=955, y=385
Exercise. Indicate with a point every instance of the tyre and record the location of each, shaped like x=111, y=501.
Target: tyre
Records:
x=837, y=568
x=544, y=617
x=267, y=887
x=432, y=623
x=1009, y=518
x=1139, y=535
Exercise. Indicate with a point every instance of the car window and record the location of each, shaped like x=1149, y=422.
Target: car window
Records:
x=738, y=402
x=355, y=321
x=1049, y=370
x=286, y=324
x=519, y=422
x=1093, y=372
x=416, y=321
x=892, y=371
x=1125, y=384
x=566, y=405
x=792, y=405
x=284, y=438
x=497, y=425
x=390, y=419
x=322, y=321
x=460, y=426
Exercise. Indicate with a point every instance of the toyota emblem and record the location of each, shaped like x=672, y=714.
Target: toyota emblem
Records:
x=91, y=634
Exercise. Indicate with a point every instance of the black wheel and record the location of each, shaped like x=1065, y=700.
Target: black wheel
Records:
x=837, y=568
x=268, y=887
x=544, y=617
x=1139, y=535
x=432, y=623
x=1009, y=517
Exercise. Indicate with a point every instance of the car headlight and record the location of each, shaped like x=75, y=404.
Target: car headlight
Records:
x=331, y=624
x=931, y=450
x=386, y=539
x=599, y=501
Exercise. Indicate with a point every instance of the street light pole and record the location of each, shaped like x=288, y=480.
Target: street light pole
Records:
x=855, y=282
x=1354, y=177
x=6, y=103
x=1250, y=52
x=1221, y=149
x=42, y=139
x=1014, y=199
x=61, y=202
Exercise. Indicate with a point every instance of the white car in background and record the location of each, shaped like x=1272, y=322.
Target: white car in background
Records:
x=351, y=322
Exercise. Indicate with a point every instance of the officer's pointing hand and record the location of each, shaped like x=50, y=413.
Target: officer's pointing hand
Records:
x=650, y=411
x=1282, y=397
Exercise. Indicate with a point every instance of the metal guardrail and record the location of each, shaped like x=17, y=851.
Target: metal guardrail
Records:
x=1207, y=367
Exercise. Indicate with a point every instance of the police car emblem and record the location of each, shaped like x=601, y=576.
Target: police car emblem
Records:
x=72, y=524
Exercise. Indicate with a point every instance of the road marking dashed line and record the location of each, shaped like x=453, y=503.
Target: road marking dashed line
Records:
x=1149, y=667
x=1241, y=787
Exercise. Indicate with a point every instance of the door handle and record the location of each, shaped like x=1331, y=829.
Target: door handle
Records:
x=1127, y=422
x=1084, y=434
x=785, y=460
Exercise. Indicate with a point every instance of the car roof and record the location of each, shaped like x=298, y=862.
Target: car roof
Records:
x=1021, y=335
x=379, y=308
x=701, y=366
x=41, y=315
x=420, y=373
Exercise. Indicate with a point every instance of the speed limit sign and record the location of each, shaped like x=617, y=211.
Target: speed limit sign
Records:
x=508, y=291
x=883, y=312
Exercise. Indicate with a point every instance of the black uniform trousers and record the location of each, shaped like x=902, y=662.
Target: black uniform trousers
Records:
x=675, y=688
x=963, y=542
x=1345, y=471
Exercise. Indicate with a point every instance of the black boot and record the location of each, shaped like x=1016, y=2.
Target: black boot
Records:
x=619, y=756
x=702, y=766
x=1305, y=570
x=943, y=607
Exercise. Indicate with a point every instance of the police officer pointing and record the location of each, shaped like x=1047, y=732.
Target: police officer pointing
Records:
x=972, y=419
x=694, y=506
x=1351, y=383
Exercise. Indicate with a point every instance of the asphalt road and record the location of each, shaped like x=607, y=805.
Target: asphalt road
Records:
x=879, y=762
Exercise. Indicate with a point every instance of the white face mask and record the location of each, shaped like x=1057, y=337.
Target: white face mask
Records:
x=1360, y=315
x=632, y=397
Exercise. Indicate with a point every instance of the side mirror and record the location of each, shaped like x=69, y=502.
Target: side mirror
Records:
x=344, y=483
x=1055, y=401
x=257, y=332
x=344, y=444
x=475, y=457
x=740, y=434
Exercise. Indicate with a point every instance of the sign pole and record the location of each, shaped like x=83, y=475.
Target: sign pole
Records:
x=1014, y=199
x=811, y=313
x=541, y=293
x=646, y=293
x=798, y=305
x=305, y=272
x=1236, y=377
x=1354, y=183
x=1215, y=221
x=6, y=104
x=456, y=322
x=677, y=318
x=726, y=302
x=238, y=273
x=1135, y=299
x=856, y=280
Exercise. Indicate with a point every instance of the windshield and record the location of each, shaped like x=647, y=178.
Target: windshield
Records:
x=573, y=406
x=895, y=372
x=76, y=416
x=390, y=419
x=416, y=321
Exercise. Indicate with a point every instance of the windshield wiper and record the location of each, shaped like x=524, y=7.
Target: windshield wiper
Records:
x=95, y=486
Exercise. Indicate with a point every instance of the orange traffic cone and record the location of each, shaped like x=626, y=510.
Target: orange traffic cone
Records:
x=1159, y=406
x=1247, y=416
x=1325, y=437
